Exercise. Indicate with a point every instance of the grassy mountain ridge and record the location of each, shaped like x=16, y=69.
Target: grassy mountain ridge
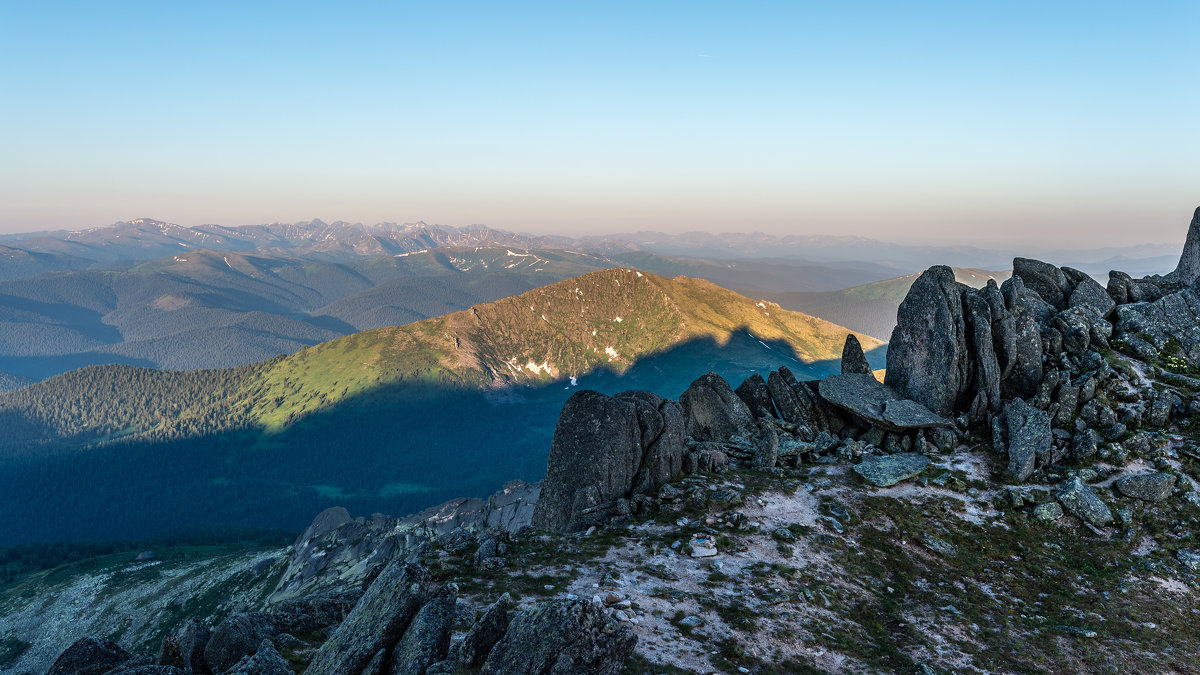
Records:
x=602, y=320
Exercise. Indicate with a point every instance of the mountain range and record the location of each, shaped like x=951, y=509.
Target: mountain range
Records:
x=211, y=309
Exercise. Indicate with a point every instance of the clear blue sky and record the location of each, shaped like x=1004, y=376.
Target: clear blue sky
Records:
x=960, y=120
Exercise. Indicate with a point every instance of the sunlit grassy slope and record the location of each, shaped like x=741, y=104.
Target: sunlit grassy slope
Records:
x=602, y=320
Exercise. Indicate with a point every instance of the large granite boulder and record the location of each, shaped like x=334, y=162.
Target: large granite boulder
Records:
x=796, y=403
x=376, y=622
x=88, y=656
x=713, y=412
x=1090, y=294
x=605, y=448
x=184, y=648
x=561, y=637
x=984, y=386
x=927, y=357
x=1019, y=341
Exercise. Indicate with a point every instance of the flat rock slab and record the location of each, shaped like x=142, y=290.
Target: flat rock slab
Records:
x=891, y=469
x=870, y=399
x=908, y=414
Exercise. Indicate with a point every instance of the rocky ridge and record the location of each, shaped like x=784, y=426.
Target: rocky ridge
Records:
x=1026, y=437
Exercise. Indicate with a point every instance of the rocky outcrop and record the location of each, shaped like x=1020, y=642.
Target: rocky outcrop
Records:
x=336, y=548
x=377, y=622
x=561, y=637
x=607, y=449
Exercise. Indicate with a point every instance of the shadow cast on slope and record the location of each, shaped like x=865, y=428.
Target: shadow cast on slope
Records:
x=394, y=449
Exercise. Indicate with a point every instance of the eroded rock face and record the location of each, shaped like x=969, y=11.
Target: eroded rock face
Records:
x=1172, y=319
x=376, y=622
x=561, y=637
x=604, y=449
x=926, y=359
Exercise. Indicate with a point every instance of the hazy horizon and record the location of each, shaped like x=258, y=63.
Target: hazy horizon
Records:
x=925, y=122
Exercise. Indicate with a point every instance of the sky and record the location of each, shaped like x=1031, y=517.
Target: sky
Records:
x=907, y=121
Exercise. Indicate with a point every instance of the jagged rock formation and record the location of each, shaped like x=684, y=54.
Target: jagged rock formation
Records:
x=350, y=548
